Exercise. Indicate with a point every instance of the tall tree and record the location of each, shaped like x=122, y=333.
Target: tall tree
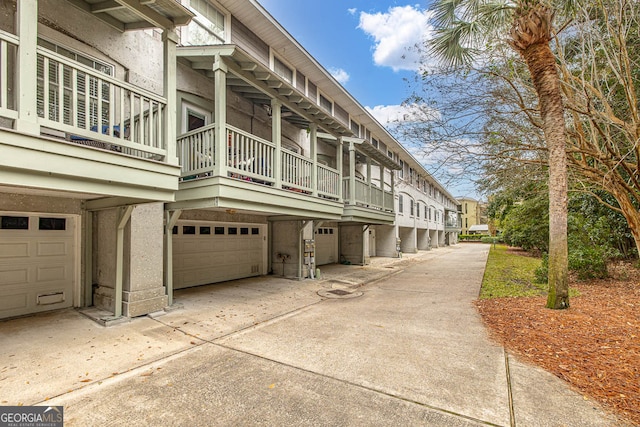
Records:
x=464, y=25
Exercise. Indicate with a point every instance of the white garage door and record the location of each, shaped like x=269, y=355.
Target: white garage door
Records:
x=210, y=252
x=327, y=245
x=37, y=263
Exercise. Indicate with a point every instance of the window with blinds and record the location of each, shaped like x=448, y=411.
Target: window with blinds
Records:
x=282, y=70
x=206, y=28
x=91, y=92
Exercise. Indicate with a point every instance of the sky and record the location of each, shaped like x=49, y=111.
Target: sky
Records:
x=367, y=45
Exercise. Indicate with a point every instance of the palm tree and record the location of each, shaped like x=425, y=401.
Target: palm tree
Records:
x=462, y=26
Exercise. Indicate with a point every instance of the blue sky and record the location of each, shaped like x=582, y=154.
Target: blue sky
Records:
x=368, y=46
x=361, y=42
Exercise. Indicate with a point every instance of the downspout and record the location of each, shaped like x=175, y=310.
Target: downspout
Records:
x=125, y=215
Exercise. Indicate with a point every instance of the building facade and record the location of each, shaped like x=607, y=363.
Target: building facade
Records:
x=473, y=213
x=148, y=147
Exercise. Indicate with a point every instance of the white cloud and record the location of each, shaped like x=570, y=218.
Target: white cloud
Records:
x=340, y=75
x=352, y=11
x=391, y=115
x=396, y=34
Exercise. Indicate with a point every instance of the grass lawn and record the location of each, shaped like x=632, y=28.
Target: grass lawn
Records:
x=510, y=273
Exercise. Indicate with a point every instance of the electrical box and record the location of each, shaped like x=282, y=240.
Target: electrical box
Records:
x=309, y=252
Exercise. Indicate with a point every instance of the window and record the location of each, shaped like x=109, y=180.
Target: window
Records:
x=283, y=70
x=205, y=230
x=244, y=230
x=401, y=170
x=218, y=230
x=188, y=229
x=193, y=117
x=355, y=128
x=374, y=142
x=255, y=230
x=418, y=210
x=206, y=28
x=14, y=222
x=400, y=204
x=52, y=224
x=325, y=103
x=57, y=75
x=411, y=208
x=232, y=231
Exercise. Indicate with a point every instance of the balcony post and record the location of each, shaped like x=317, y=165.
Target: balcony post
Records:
x=220, y=117
x=339, y=167
x=393, y=190
x=369, y=186
x=169, y=42
x=313, y=136
x=27, y=25
x=352, y=173
x=384, y=198
x=276, y=138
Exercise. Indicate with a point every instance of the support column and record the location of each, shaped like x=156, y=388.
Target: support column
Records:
x=313, y=135
x=352, y=173
x=27, y=29
x=220, y=117
x=369, y=186
x=170, y=222
x=393, y=191
x=88, y=258
x=276, y=138
x=123, y=219
x=382, y=187
x=339, y=167
x=169, y=41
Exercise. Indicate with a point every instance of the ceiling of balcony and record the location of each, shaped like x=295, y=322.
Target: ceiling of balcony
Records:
x=127, y=15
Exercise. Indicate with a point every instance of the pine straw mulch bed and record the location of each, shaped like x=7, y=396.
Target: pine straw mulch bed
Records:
x=594, y=345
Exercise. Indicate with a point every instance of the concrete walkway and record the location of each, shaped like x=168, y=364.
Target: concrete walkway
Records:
x=397, y=342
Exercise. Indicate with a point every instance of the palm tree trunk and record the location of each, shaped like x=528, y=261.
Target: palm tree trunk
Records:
x=542, y=66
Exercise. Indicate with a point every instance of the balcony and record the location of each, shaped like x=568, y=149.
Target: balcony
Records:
x=247, y=172
x=67, y=124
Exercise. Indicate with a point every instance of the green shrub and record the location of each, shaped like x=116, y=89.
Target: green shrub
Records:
x=586, y=262
x=489, y=239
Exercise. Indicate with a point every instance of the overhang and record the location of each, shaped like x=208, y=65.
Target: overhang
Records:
x=126, y=15
x=253, y=80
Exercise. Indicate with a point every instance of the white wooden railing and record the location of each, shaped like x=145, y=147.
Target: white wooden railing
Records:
x=368, y=195
x=328, y=182
x=95, y=108
x=250, y=156
x=196, y=152
x=8, y=46
x=296, y=171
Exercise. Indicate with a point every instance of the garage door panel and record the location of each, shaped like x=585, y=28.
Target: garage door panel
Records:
x=51, y=273
x=209, y=258
x=13, y=276
x=53, y=248
x=14, y=250
x=37, y=264
x=12, y=303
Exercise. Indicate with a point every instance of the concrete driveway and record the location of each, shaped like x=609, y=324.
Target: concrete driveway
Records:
x=395, y=344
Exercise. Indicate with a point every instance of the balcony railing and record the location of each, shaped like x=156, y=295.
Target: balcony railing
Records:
x=252, y=159
x=328, y=182
x=369, y=196
x=93, y=108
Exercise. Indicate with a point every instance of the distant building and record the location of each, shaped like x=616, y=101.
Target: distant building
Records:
x=473, y=213
x=479, y=229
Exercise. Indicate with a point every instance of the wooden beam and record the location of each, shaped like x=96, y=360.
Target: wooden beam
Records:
x=106, y=6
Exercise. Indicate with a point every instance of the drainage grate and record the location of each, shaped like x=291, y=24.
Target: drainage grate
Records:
x=339, y=292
